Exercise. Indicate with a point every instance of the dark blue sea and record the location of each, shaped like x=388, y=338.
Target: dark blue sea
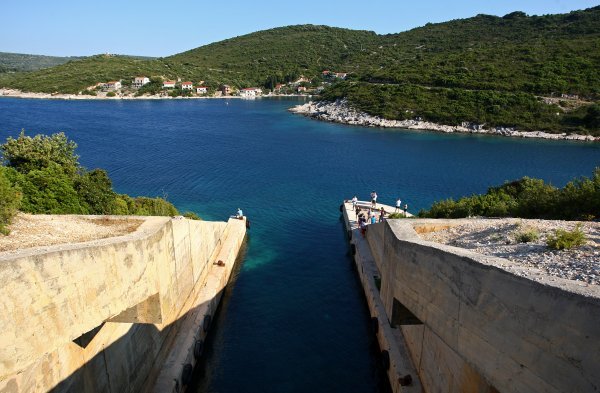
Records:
x=293, y=318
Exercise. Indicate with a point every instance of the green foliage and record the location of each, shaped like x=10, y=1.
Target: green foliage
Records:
x=111, y=94
x=95, y=192
x=144, y=206
x=46, y=170
x=527, y=235
x=191, y=216
x=396, y=215
x=23, y=62
x=10, y=200
x=565, y=240
x=454, y=106
x=26, y=153
x=527, y=198
x=49, y=190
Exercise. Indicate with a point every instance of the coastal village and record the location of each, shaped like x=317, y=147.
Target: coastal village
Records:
x=144, y=86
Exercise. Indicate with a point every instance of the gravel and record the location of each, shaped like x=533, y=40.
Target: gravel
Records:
x=498, y=237
x=28, y=230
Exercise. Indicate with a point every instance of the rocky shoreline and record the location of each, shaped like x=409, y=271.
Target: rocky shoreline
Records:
x=340, y=112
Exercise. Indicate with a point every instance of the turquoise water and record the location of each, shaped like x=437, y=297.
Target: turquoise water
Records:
x=293, y=319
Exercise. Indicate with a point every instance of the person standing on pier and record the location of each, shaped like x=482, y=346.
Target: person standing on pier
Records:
x=398, y=205
x=405, y=210
x=354, y=202
x=374, y=199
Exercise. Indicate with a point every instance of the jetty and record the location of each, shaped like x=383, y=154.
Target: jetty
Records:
x=450, y=319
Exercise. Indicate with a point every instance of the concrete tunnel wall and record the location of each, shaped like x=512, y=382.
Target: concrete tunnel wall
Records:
x=484, y=328
x=133, y=287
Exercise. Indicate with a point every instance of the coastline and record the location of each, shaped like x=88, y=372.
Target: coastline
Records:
x=340, y=112
x=15, y=93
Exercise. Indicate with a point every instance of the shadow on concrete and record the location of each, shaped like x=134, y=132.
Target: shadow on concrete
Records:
x=134, y=361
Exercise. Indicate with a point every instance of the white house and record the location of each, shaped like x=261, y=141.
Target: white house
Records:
x=112, y=85
x=250, y=92
x=168, y=84
x=187, y=85
x=201, y=89
x=140, y=81
x=300, y=80
x=301, y=89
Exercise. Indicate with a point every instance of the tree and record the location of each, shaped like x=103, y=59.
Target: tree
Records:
x=95, y=191
x=592, y=118
x=26, y=153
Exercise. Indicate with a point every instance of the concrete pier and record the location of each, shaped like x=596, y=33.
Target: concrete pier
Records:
x=466, y=322
x=121, y=314
x=401, y=368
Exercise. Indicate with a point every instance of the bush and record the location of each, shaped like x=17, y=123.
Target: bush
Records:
x=396, y=215
x=47, y=172
x=144, y=206
x=527, y=235
x=26, y=153
x=565, y=240
x=111, y=94
x=191, y=216
x=527, y=198
x=49, y=191
x=94, y=189
x=10, y=200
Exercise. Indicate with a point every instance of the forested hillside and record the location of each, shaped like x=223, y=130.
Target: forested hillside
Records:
x=529, y=72
x=16, y=62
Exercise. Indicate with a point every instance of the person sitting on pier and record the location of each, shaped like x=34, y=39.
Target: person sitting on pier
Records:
x=240, y=213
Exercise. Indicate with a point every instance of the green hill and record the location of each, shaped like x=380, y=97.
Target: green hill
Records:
x=485, y=69
x=16, y=62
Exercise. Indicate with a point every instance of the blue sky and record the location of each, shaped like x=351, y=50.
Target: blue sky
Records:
x=162, y=28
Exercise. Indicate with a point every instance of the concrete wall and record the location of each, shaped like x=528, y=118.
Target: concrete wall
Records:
x=484, y=328
x=132, y=289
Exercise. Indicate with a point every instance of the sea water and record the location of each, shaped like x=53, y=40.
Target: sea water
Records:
x=293, y=318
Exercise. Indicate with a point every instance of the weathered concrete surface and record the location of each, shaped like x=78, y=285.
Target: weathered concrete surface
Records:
x=53, y=295
x=389, y=338
x=484, y=327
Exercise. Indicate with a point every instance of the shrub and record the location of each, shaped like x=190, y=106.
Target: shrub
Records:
x=26, y=153
x=191, y=216
x=47, y=172
x=10, y=199
x=527, y=235
x=396, y=215
x=144, y=206
x=565, y=240
x=527, y=198
x=95, y=191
